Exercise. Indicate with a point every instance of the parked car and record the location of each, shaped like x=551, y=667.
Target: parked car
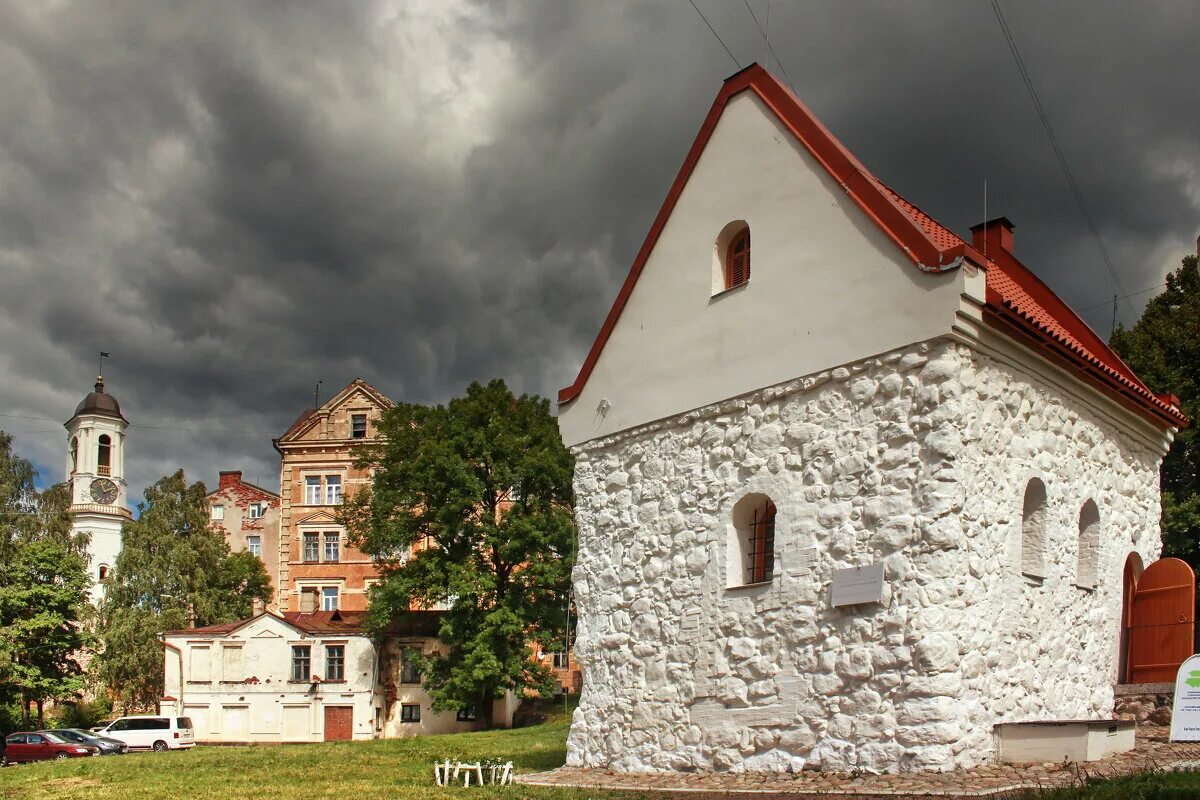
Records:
x=107, y=746
x=150, y=732
x=42, y=746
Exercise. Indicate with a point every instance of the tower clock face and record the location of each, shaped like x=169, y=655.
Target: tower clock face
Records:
x=104, y=491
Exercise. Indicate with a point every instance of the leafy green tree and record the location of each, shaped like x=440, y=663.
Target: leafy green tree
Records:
x=43, y=589
x=173, y=572
x=1163, y=347
x=471, y=508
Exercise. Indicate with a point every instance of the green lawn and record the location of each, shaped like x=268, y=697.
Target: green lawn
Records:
x=392, y=768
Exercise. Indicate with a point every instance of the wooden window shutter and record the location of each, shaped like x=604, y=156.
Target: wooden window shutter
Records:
x=737, y=260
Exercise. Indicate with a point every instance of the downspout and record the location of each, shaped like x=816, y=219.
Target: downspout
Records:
x=179, y=655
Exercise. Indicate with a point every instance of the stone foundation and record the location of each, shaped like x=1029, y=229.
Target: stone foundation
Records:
x=1145, y=703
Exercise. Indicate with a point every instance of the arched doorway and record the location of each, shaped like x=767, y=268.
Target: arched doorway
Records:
x=1133, y=571
x=1162, y=619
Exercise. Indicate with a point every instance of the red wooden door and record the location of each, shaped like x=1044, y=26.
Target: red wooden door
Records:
x=339, y=723
x=1162, y=621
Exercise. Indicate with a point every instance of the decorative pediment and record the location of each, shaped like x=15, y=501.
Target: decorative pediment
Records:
x=357, y=394
x=318, y=518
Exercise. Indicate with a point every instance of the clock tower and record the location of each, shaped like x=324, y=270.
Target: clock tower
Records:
x=96, y=474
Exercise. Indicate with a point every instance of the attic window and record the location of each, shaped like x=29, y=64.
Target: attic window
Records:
x=731, y=257
x=737, y=260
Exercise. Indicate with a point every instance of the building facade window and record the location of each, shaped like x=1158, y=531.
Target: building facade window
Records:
x=466, y=714
x=1087, y=571
x=218, y=512
x=255, y=511
x=254, y=545
x=102, y=573
x=335, y=662
x=358, y=426
x=333, y=490
x=231, y=663
x=329, y=598
x=410, y=712
x=312, y=547
x=752, y=541
x=737, y=260
x=1033, y=530
x=301, y=662
x=410, y=668
x=312, y=490
x=104, y=455
x=333, y=541
x=560, y=659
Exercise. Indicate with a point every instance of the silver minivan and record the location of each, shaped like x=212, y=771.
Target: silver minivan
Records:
x=149, y=732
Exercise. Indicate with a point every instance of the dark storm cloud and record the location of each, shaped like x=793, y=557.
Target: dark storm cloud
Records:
x=237, y=200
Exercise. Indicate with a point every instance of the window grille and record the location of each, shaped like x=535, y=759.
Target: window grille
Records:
x=760, y=559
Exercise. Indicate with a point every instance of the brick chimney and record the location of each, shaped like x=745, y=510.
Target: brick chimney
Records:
x=995, y=234
x=229, y=478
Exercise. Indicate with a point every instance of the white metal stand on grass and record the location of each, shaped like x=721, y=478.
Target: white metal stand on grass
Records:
x=445, y=772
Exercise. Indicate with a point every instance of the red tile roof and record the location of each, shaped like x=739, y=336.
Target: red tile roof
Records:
x=1017, y=301
x=1017, y=297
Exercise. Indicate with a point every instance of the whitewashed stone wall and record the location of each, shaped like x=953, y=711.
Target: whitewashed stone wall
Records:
x=918, y=459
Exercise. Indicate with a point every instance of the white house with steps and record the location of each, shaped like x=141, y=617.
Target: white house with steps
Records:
x=850, y=490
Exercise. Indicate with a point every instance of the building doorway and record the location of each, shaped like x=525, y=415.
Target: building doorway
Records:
x=339, y=723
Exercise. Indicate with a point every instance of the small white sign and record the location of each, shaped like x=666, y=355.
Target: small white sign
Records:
x=1185, y=713
x=856, y=585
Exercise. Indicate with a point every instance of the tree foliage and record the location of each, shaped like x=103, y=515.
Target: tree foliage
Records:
x=1163, y=347
x=173, y=572
x=471, y=508
x=43, y=588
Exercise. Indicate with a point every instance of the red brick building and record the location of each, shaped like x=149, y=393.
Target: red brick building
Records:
x=318, y=568
x=248, y=516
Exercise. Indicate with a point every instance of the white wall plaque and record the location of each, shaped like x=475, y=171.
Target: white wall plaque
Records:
x=1185, y=713
x=858, y=585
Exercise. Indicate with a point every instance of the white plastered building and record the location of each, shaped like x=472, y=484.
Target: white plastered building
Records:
x=309, y=677
x=757, y=441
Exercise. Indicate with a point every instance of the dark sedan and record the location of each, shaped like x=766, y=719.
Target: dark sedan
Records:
x=106, y=745
x=42, y=746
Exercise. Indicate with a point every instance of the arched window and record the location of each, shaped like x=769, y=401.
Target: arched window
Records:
x=1086, y=573
x=752, y=543
x=103, y=455
x=74, y=454
x=731, y=257
x=102, y=573
x=737, y=259
x=1033, y=530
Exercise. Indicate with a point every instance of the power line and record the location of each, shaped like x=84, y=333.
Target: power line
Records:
x=714, y=33
x=1058, y=153
x=770, y=47
x=1123, y=297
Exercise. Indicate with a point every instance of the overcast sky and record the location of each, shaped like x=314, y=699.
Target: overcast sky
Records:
x=239, y=199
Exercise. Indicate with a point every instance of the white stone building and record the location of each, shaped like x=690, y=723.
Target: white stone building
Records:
x=96, y=475
x=307, y=677
x=870, y=392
